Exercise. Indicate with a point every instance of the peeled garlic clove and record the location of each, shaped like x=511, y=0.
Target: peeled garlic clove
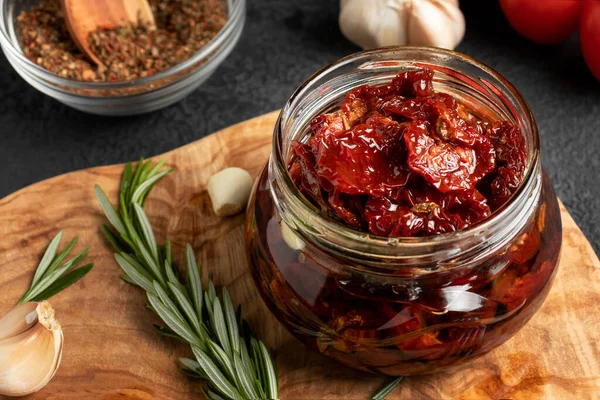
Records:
x=229, y=191
x=291, y=238
x=31, y=343
x=438, y=23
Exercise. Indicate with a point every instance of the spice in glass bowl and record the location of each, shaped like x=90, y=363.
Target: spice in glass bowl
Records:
x=128, y=52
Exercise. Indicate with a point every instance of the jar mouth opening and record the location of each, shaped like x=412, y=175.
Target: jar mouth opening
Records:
x=510, y=103
x=235, y=10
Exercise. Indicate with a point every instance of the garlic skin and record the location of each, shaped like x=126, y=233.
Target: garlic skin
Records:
x=31, y=344
x=229, y=191
x=380, y=23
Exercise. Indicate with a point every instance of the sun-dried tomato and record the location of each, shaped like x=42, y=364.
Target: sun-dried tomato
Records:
x=310, y=184
x=402, y=160
x=469, y=204
x=362, y=161
x=417, y=83
x=388, y=219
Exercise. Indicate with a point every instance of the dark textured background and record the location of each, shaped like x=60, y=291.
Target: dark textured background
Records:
x=283, y=43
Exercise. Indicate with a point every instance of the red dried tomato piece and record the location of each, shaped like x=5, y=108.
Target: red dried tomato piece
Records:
x=388, y=219
x=326, y=125
x=310, y=185
x=470, y=205
x=415, y=109
x=417, y=83
x=510, y=147
x=362, y=161
x=503, y=186
x=348, y=208
x=527, y=287
x=445, y=165
x=438, y=221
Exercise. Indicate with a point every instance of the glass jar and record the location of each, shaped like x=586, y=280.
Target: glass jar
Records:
x=402, y=306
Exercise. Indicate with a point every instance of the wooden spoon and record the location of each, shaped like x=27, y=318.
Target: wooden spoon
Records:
x=85, y=16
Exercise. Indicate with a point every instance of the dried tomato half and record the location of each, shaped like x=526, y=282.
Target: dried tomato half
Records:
x=362, y=161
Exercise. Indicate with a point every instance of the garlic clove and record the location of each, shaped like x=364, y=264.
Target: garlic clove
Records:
x=229, y=191
x=358, y=21
x=392, y=24
x=436, y=23
x=31, y=343
x=291, y=238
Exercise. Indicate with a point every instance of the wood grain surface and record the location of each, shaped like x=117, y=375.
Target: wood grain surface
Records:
x=112, y=352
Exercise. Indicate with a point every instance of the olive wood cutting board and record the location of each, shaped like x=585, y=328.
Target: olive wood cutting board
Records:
x=112, y=352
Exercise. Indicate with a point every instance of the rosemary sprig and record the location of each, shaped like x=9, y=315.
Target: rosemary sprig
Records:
x=52, y=275
x=387, y=388
x=233, y=362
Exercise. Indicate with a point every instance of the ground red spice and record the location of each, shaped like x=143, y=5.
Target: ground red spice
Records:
x=128, y=52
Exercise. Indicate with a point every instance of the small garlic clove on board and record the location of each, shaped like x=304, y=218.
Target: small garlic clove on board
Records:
x=31, y=344
x=229, y=191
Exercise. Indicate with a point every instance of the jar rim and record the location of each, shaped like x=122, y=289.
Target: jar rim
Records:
x=340, y=234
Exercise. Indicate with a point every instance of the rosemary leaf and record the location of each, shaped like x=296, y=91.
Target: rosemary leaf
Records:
x=218, y=320
x=191, y=314
x=61, y=257
x=126, y=180
x=244, y=378
x=127, y=279
x=185, y=304
x=112, y=239
x=170, y=305
x=63, y=282
x=209, y=394
x=164, y=331
x=146, y=230
x=168, y=252
x=216, y=377
x=387, y=388
x=212, y=292
x=270, y=373
x=170, y=272
x=109, y=211
x=171, y=320
x=50, y=277
x=136, y=274
x=222, y=359
x=194, y=283
x=47, y=258
x=146, y=186
x=232, y=328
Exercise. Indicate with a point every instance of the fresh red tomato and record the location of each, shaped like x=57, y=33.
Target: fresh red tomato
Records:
x=543, y=21
x=590, y=35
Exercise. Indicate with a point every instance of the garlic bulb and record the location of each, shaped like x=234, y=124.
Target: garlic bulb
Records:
x=379, y=23
x=31, y=343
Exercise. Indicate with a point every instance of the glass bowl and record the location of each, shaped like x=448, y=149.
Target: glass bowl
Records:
x=122, y=98
x=402, y=306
